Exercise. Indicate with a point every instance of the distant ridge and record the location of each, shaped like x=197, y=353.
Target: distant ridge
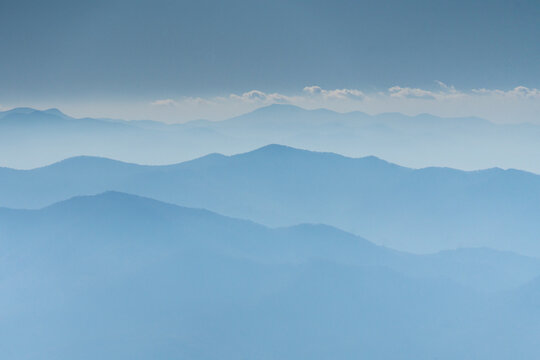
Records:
x=288, y=109
x=278, y=108
x=270, y=149
x=28, y=111
x=418, y=210
x=281, y=150
x=412, y=141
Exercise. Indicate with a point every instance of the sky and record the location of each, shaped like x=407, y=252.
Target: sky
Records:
x=181, y=60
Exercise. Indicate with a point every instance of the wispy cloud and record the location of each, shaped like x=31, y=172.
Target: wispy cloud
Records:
x=315, y=90
x=444, y=92
x=164, y=102
x=197, y=101
x=517, y=92
x=503, y=105
x=309, y=93
x=411, y=93
x=260, y=96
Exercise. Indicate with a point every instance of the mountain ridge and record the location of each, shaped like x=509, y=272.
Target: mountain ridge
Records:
x=271, y=148
x=301, y=242
x=412, y=141
x=419, y=210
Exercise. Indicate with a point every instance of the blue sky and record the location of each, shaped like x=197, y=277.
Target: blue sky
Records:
x=106, y=56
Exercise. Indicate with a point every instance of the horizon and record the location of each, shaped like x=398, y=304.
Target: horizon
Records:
x=261, y=107
x=512, y=105
x=477, y=59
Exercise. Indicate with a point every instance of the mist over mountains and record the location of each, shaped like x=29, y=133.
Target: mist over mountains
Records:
x=423, y=210
x=139, y=278
x=222, y=246
x=31, y=138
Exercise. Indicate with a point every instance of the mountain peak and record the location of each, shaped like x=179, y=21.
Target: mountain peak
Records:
x=89, y=161
x=110, y=199
x=279, y=108
x=55, y=111
x=280, y=150
x=31, y=111
x=276, y=148
x=18, y=110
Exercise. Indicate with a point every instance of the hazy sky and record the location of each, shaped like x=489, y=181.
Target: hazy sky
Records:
x=117, y=57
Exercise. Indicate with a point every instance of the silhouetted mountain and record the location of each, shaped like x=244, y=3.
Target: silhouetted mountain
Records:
x=31, y=138
x=421, y=210
x=143, y=279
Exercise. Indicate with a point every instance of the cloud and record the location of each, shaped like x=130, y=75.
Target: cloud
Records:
x=411, y=93
x=310, y=96
x=517, y=92
x=197, y=101
x=314, y=95
x=165, y=102
x=315, y=90
x=260, y=96
x=184, y=101
x=520, y=103
x=445, y=92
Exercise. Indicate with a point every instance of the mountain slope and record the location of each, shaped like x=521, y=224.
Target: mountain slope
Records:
x=113, y=218
x=123, y=277
x=421, y=210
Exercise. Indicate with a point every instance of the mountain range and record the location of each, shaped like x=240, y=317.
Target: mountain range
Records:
x=418, y=210
x=30, y=138
x=122, y=276
x=263, y=254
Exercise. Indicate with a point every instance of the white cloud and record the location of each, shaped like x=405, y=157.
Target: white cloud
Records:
x=197, y=101
x=165, y=102
x=315, y=90
x=184, y=101
x=259, y=96
x=308, y=93
x=517, y=92
x=520, y=103
x=411, y=93
x=445, y=92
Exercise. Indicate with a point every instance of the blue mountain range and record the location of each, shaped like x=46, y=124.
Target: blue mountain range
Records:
x=30, y=138
x=272, y=253
x=424, y=210
x=116, y=275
